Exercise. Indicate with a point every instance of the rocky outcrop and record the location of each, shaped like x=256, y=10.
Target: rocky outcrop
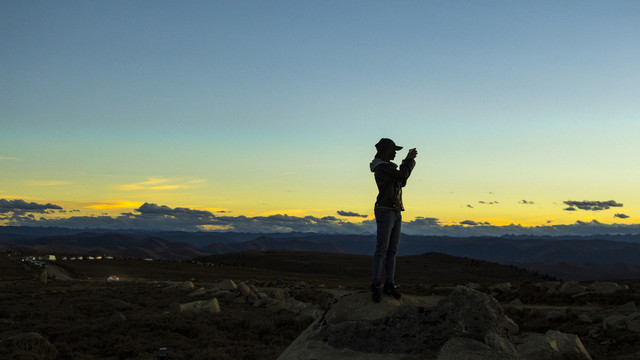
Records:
x=467, y=324
x=28, y=346
x=553, y=345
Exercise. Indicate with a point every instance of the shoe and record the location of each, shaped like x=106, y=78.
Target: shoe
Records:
x=376, y=293
x=391, y=289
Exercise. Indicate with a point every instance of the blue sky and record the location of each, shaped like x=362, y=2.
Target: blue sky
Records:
x=262, y=108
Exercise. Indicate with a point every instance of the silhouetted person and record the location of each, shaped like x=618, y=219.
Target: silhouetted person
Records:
x=388, y=207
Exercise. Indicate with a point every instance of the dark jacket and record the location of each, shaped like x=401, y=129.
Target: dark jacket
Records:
x=390, y=182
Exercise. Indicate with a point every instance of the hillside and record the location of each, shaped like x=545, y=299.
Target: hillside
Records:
x=601, y=257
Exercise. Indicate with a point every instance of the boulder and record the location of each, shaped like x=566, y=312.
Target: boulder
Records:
x=254, y=289
x=615, y=322
x=634, y=325
x=212, y=306
x=198, y=292
x=244, y=289
x=410, y=328
x=604, y=287
x=548, y=285
x=468, y=349
x=512, y=327
x=280, y=294
x=29, y=345
x=628, y=308
x=515, y=303
x=571, y=288
x=553, y=345
x=227, y=285
x=633, y=322
x=504, y=287
x=187, y=285
x=474, y=286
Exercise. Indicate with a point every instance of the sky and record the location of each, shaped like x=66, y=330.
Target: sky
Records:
x=263, y=115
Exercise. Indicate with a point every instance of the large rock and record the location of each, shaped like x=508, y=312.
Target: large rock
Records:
x=604, y=287
x=212, y=306
x=627, y=308
x=227, y=285
x=468, y=349
x=410, y=328
x=467, y=325
x=553, y=345
x=548, y=285
x=571, y=288
x=633, y=322
x=615, y=322
x=244, y=289
x=504, y=287
x=187, y=285
x=27, y=346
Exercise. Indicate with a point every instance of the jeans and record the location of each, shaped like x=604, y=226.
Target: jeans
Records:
x=388, y=223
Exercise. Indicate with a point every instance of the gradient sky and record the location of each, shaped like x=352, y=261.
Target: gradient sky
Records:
x=260, y=108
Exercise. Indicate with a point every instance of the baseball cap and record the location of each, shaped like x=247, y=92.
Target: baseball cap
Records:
x=385, y=144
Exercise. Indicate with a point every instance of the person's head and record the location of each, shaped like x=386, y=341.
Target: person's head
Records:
x=386, y=149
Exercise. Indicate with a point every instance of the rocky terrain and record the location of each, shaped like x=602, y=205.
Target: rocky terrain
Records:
x=282, y=305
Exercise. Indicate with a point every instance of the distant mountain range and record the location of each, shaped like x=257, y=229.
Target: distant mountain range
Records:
x=594, y=257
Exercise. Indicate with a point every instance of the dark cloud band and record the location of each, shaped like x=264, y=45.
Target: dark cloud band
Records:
x=350, y=214
x=591, y=205
x=22, y=207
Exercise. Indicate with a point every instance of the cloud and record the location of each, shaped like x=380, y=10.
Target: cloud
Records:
x=525, y=202
x=351, y=214
x=164, y=210
x=7, y=158
x=153, y=184
x=469, y=206
x=570, y=209
x=473, y=223
x=21, y=207
x=488, y=202
x=591, y=205
x=621, y=216
x=425, y=221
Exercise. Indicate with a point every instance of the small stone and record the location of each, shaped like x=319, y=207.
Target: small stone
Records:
x=627, y=308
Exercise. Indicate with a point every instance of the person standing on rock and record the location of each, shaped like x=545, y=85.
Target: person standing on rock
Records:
x=388, y=208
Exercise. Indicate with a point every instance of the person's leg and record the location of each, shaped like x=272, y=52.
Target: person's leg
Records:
x=392, y=250
x=384, y=222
